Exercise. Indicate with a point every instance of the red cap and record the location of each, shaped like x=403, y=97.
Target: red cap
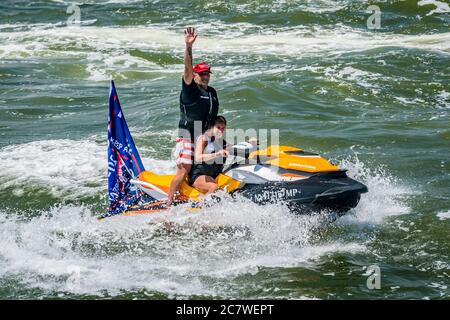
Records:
x=201, y=67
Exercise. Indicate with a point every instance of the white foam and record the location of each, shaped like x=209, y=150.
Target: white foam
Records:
x=443, y=99
x=292, y=41
x=284, y=6
x=65, y=168
x=52, y=249
x=440, y=7
x=444, y=215
x=350, y=75
x=106, y=51
x=386, y=196
x=101, y=65
x=409, y=100
x=66, y=250
x=437, y=285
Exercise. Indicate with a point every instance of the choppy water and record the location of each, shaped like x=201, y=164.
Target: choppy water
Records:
x=376, y=101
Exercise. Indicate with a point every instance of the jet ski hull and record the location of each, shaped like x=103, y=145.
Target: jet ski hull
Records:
x=324, y=191
x=333, y=191
x=303, y=181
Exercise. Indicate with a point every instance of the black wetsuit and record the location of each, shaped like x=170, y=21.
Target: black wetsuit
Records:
x=212, y=167
x=196, y=104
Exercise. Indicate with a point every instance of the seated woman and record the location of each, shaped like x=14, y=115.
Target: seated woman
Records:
x=209, y=157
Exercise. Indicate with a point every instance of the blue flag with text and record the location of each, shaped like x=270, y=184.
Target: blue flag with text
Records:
x=124, y=162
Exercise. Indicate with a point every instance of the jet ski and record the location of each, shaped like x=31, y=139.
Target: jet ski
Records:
x=302, y=180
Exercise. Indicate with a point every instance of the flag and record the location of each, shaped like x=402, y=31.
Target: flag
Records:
x=124, y=162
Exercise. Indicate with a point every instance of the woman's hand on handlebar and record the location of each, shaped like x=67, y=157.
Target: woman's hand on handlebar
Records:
x=222, y=153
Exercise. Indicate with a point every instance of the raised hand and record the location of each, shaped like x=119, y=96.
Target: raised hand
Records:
x=189, y=36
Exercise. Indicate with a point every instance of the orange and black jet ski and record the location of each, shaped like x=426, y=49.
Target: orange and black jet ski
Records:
x=302, y=180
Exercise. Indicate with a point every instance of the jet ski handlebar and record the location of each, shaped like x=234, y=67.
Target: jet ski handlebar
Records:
x=242, y=149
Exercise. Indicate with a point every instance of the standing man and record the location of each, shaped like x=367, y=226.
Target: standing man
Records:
x=199, y=104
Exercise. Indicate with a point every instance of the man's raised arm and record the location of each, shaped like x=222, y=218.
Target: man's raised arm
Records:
x=189, y=39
